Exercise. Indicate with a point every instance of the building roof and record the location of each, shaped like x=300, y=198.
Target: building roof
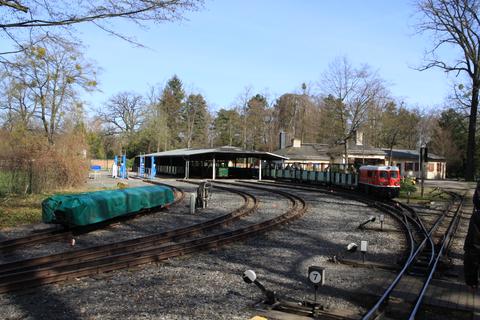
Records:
x=220, y=153
x=358, y=150
x=307, y=151
x=404, y=154
x=323, y=152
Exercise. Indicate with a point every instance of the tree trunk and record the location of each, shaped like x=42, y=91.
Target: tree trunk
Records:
x=472, y=126
x=390, y=156
x=346, y=154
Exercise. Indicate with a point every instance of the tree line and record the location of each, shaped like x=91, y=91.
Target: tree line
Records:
x=45, y=73
x=328, y=113
x=41, y=89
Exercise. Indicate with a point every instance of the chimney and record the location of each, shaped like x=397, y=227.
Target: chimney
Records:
x=283, y=139
x=359, y=138
x=296, y=143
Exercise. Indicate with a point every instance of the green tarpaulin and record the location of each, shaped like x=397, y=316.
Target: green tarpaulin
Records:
x=92, y=207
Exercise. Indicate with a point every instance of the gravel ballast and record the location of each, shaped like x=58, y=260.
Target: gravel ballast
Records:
x=209, y=285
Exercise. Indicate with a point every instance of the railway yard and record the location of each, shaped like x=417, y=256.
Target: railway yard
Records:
x=138, y=270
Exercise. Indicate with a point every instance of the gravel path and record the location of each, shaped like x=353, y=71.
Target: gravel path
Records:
x=209, y=285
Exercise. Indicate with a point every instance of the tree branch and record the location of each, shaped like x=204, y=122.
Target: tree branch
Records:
x=14, y=5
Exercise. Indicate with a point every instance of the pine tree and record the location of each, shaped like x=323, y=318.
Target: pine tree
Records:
x=171, y=104
x=195, y=120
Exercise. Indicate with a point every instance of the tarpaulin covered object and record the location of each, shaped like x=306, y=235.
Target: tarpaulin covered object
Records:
x=92, y=207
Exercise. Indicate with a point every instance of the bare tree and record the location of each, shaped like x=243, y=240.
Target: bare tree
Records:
x=350, y=92
x=123, y=113
x=156, y=121
x=242, y=107
x=43, y=81
x=456, y=23
x=31, y=15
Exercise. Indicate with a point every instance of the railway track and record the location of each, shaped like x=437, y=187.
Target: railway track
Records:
x=90, y=261
x=426, y=246
x=57, y=234
x=422, y=264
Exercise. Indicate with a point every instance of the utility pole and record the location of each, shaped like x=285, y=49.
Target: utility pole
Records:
x=423, y=158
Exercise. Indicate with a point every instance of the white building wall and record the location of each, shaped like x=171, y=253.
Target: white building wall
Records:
x=433, y=170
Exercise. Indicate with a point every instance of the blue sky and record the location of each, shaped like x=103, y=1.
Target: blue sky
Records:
x=272, y=46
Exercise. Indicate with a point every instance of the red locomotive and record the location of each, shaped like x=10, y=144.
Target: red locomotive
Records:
x=381, y=180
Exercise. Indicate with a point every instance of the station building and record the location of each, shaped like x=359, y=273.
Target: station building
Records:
x=211, y=163
x=315, y=156
x=408, y=161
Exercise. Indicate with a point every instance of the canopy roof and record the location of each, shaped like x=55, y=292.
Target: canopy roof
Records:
x=220, y=153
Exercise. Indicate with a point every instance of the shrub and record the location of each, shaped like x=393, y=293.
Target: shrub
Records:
x=408, y=185
x=29, y=164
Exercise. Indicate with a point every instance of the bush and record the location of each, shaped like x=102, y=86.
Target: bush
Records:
x=29, y=164
x=408, y=185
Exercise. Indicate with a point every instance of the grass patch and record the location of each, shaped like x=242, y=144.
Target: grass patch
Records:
x=429, y=194
x=20, y=209
x=16, y=209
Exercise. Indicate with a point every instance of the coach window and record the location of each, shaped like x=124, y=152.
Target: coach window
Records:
x=369, y=173
x=383, y=174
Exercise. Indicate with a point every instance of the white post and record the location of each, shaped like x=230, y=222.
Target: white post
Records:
x=259, y=169
x=187, y=169
x=213, y=172
x=193, y=197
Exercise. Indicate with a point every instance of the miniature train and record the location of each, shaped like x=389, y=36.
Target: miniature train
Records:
x=383, y=181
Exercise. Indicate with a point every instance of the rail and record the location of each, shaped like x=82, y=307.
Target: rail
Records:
x=118, y=259
x=372, y=311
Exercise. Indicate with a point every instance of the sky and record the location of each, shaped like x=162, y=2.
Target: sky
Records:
x=272, y=46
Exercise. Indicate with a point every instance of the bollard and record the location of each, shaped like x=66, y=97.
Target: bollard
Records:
x=363, y=249
x=193, y=198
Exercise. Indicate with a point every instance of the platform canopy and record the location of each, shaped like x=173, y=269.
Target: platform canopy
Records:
x=220, y=153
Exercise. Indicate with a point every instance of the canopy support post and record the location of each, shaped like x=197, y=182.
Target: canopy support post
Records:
x=213, y=171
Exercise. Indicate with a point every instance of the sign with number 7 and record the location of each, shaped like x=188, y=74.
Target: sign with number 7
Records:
x=316, y=275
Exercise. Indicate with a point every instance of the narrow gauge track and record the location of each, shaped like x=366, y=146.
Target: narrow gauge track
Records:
x=62, y=266
x=434, y=255
x=423, y=254
x=409, y=221
x=33, y=273
x=66, y=234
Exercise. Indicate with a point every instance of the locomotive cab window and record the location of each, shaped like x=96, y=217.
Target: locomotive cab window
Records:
x=383, y=174
x=393, y=174
x=369, y=174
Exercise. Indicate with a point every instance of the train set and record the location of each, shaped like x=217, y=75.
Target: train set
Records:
x=383, y=181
